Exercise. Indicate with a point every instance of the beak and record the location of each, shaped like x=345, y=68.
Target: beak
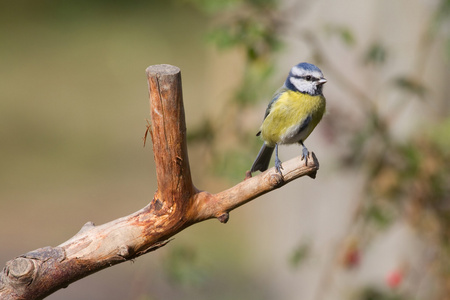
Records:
x=321, y=81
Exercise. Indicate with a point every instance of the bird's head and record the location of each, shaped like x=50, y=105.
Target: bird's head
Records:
x=305, y=78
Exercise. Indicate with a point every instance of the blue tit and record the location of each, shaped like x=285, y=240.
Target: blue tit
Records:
x=295, y=110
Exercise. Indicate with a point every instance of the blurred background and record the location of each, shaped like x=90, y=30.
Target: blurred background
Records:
x=374, y=224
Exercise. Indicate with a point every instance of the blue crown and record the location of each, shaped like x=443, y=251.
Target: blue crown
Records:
x=306, y=67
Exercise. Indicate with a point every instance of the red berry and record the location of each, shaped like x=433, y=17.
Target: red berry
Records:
x=394, y=278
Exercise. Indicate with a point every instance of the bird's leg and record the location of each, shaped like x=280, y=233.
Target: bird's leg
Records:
x=305, y=153
x=278, y=166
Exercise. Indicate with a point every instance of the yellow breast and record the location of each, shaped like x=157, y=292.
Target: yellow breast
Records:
x=283, y=124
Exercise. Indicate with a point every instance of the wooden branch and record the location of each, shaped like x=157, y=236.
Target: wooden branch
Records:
x=176, y=205
x=169, y=135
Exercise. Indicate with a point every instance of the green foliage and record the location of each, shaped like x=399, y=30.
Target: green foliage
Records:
x=255, y=84
x=251, y=27
x=205, y=132
x=441, y=21
x=182, y=266
x=221, y=6
x=233, y=163
x=376, y=54
x=447, y=48
x=379, y=215
x=246, y=23
x=214, y=6
x=372, y=293
x=343, y=32
x=440, y=135
x=410, y=85
x=299, y=255
x=255, y=37
x=442, y=12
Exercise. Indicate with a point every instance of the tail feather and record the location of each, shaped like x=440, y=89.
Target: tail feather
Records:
x=263, y=159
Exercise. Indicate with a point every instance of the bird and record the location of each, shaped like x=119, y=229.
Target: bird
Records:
x=294, y=111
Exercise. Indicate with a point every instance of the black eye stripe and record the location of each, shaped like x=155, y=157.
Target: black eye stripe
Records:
x=307, y=78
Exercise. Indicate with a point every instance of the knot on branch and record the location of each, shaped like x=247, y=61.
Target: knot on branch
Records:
x=223, y=217
x=276, y=180
x=124, y=251
x=156, y=205
x=89, y=225
x=21, y=271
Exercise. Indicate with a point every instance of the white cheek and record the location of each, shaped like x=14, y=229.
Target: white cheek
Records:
x=301, y=85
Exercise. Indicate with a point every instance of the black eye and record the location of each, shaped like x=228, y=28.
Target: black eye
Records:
x=308, y=78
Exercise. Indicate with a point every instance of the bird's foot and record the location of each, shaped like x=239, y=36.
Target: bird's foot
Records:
x=278, y=166
x=305, y=154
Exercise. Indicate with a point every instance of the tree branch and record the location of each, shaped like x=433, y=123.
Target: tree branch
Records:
x=176, y=205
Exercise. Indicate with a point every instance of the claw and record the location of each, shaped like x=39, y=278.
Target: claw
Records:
x=305, y=153
x=278, y=166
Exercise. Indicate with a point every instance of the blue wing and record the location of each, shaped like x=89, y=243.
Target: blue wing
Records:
x=305, y=124
x=275, y=97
